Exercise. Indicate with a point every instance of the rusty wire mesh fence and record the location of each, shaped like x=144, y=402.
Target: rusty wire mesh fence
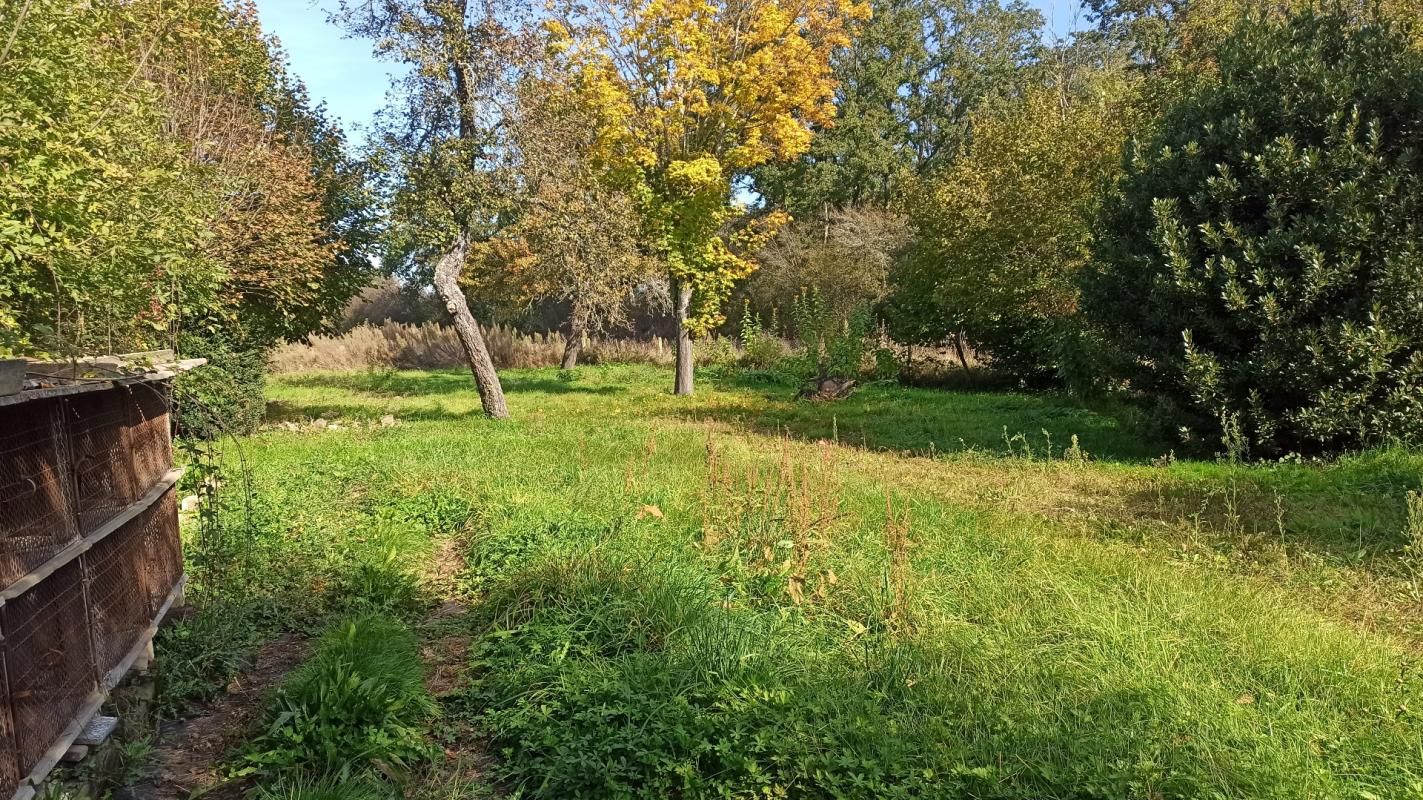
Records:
x=9, y=760
x=49, y=660
x=130, y=574
x=149, y=442
x=103, y=480
x=36, y=491
x=90, y=557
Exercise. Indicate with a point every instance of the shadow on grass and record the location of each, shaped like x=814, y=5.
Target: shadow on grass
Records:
x=289, y=411
x=1353, y=510
x=927, y=421
x=425, y=384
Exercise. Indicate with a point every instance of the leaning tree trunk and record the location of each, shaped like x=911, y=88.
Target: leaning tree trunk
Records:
x=682, y=306
x=486, y=380
x=572, y=346
x=958, y=346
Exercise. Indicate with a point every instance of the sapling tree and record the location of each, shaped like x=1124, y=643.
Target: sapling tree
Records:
x=1002, y=233
x=578, y=226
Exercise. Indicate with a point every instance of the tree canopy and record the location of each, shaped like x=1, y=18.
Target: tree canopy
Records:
x=165, y=175
x=689, y=97
x=906, y=86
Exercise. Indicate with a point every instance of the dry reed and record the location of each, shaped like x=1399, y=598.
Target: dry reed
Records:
x=395, y=345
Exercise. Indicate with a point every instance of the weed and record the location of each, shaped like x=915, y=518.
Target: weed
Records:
x=437, y=509
x=133, y=760
x=358, y=705
x=896, y=576
x=395, y=345
x=203, y=652
x=1413, y=547
x=324, y=789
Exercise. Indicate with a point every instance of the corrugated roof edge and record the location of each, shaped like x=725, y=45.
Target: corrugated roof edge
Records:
x=116, y=366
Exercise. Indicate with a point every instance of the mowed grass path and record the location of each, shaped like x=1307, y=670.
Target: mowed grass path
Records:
x=907, y=594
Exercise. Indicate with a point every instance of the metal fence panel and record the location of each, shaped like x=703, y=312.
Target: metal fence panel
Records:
x=68, y=466
x=150, y=441
x=49, y=660
x=162, y=550
x=103, y=480
x=37, y=516
x=119, y=606
x=9, y=766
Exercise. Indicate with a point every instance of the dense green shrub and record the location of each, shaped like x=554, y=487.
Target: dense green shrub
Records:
x=225, y=396
x=1261, y=272
x=359, y=702
x=1002, y=231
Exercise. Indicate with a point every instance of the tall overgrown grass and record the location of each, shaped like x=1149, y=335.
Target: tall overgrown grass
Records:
x=357, y=708
x=395, y=345
x=814, y=646
x=899, y=595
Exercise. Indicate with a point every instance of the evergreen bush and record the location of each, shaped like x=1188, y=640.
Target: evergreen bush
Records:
x=1260, y=271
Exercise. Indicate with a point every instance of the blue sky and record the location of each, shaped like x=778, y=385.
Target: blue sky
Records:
x=338, y=71
x=342, y=73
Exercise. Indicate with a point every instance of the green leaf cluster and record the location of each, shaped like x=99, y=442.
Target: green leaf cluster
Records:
x=160, y=174
x=357, y=707
x=907, y=86
x=1260, y=271
x=98, y=221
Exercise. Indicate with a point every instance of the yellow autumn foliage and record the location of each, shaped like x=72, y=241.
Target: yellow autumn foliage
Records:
x=690, y=94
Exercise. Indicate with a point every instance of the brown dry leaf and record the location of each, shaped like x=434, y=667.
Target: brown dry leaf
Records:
x=649, y=511
x=795, y=587
x=831, y=578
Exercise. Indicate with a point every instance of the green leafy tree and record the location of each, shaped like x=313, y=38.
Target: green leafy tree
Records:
x=441, y=146
x=1261, y=271
x=99, y=222
x=1159, y=35
x=907, y=84
x=1005, y=229
x=913, y=312
x=580, y=230
x=163, y=176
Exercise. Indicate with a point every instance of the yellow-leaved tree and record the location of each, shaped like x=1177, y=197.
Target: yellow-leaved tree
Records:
x=688, y=95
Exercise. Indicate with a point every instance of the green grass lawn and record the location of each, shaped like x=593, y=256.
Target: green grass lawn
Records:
x=910, y=593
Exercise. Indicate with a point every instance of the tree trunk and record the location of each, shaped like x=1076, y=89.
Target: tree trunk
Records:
x=572, y=346
x=682, y=306
x=486, y=380
x=958, y=346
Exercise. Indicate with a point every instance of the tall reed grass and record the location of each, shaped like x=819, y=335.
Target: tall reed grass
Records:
x=395, y=345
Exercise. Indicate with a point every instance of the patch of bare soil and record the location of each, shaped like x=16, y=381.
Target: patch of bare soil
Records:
x=466, y=759
x=441, y=575
x=446, y=656
x=189, y=753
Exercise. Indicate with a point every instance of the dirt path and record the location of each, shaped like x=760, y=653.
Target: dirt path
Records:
x=461, y=769
x=190, y=752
